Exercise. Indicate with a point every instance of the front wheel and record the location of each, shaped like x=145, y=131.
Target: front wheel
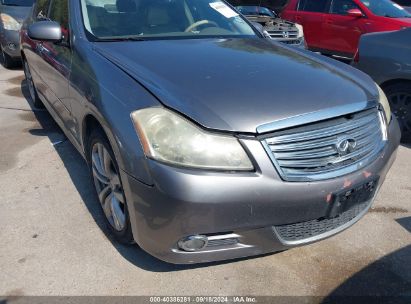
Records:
x=108, y=185
x=399, y=97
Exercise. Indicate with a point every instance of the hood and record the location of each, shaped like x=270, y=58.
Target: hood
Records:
x=275, y=5
x=19, y=13
x=238, y=84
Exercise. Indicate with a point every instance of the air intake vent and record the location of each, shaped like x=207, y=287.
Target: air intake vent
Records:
x=306, y=230
x=220, y=240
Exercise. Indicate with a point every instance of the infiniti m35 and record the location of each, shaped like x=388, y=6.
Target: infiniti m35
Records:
x=206, y=141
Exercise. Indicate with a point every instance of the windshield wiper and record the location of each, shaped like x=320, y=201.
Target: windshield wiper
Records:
x=116, y=39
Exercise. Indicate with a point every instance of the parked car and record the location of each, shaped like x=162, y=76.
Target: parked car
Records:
x=274, y=27
x=200, y=147
x=386, y=58
x=334, y=27
x=12, y=14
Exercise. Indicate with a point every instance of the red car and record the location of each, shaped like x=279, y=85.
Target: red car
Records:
x=334, y=26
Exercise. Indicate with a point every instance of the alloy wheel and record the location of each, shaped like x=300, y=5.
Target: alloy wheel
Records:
x=108, y=186
x=401, y=107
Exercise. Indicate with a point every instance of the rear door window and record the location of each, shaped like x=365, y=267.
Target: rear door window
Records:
x=318, y=6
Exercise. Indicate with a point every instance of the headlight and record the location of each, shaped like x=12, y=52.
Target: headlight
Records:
x=9, y=23
x=300, y=30
x=170, y=138
x=385, y=104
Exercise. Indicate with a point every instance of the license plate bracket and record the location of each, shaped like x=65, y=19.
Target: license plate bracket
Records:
x=348, y=198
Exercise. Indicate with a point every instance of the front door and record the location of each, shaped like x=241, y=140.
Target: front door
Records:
x=341, y=31
x=58, y=61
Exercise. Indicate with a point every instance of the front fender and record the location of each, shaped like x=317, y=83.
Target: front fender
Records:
x=101, y=90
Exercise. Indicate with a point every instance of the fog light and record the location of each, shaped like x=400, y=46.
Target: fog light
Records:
x=193, y=242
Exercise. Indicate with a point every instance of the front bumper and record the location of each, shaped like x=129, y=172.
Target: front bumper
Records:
x=296, y=42
x=242, y=206
x=10, y=43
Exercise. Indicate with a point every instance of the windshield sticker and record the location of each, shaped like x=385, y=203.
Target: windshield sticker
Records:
x=223, y=9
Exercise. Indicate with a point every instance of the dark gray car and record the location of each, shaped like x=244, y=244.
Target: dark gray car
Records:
x=386, y=58
x=12, y=14
x=206, y=141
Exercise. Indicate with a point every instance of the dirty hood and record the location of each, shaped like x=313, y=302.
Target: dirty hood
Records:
x=238, y=84
x=275, y=5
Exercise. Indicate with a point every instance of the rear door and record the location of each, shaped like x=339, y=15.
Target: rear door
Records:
x=310, y=14
x=342, y=32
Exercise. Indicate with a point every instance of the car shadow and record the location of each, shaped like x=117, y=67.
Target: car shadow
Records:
x=405, y=222
x=78, y=171
x=387, y=280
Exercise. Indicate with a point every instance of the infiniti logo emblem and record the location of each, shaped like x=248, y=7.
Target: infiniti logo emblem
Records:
x=345, y=145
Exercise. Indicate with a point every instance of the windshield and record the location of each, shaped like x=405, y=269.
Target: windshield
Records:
x=18, y=2
x=255, y=11
x=156, y=19
x=386, y=8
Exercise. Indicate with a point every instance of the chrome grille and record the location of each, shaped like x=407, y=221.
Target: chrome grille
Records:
x=222, y=242
x=294, y=41
x=283, y=34
x=310, y=152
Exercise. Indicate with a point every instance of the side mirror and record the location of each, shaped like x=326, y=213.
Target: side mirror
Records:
x=355, y=12
x=45, y=31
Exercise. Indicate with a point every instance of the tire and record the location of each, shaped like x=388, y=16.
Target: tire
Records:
x=8, y=62
x=108, y=187
x=399, y=97
x=31, y=86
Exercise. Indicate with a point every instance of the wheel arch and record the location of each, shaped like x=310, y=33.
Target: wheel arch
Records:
x=390, y=82
x=91, y=122
x=128, y=152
